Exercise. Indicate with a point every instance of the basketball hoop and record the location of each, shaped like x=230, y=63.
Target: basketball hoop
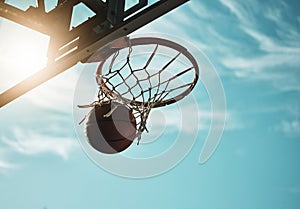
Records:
x=144, y=73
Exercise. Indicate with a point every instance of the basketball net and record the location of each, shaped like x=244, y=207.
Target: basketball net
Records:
x=144, y=73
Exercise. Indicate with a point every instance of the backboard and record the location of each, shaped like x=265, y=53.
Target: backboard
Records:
x=112, y=19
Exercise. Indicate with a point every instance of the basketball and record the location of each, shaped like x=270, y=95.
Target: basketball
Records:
x=112, y=134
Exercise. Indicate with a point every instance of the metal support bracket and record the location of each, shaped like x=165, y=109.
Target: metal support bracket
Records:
x=68, y=47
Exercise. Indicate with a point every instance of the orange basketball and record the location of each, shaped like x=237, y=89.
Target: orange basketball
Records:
x=111, y=134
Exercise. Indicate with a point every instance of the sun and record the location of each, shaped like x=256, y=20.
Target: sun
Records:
x=23, y=51
x=30, y=57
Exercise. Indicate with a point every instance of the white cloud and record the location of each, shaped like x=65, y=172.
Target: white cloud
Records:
x=273, y=14
x=280, y=70
x=242, y=12
x=199, y=9
x=290, y=128
x=6, y=167
x=275, y=58
x=284, y=29
x=172, y=117
x=271, y=45
x=250, y=66
x=32, y=143
x=231, y=123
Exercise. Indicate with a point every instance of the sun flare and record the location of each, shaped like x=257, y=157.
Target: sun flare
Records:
x=29, y=57
x=23, y=52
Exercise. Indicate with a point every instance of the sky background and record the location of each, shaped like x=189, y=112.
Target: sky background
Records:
x=255, y=47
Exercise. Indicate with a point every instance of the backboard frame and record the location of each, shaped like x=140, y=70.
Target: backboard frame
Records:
x=68, y=47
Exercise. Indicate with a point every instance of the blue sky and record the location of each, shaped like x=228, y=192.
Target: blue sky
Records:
x=255, y=49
